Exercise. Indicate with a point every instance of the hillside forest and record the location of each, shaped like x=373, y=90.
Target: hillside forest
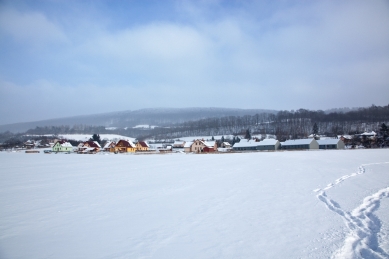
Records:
x=294, y=124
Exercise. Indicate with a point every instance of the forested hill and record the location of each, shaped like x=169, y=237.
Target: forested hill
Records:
x=284, y=124
x=153, y=116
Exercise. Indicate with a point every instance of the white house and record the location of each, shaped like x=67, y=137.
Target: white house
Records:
x=331, y=143
x=225, y=145
x=187, y=146
x=178, y=144
x=200, y=146
x=310, y=143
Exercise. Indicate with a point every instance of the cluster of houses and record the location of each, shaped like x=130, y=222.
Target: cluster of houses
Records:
x=199, y=146
x=92, y=147
x=203, y=146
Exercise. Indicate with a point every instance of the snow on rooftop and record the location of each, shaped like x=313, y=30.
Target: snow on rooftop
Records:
x=188, y=144
x=107, y=144
x=328, y=141
x=268, y=142
x=66, y=144
x=246, y=143
x=369, y=133
x=306, y=141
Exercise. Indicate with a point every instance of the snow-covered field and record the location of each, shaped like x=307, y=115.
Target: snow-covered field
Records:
x=301, y=204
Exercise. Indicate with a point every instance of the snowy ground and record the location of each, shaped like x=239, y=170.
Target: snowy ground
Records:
x=301, y=204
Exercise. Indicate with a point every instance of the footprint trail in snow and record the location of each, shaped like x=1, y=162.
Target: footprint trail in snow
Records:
x=363, y=225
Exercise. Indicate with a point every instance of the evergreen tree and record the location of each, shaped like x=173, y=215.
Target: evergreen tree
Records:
x=315, y=129
x=384, y=130
x=248, y=134
x=96, y=137
x=212, y=138
x=222, y=139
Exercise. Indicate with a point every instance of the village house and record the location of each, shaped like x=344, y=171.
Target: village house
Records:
x=62, y=146
x=368, y=135
x=89, y=147
x=124, y=146
x=187, y=146
x=347, y=139
x=269, y=144
x=225, y=145
x=110, y=144
x=330, y=144
x=245, y=144
x=165, y=149
x=29, y=144
x=178, y=144
x=300, y=144
x=142, y=146
x=254, y=144
x=201, y=146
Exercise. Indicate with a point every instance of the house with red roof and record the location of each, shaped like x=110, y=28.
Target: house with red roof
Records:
x=89, y=147
x=123, y=146
x=142, y=146
x=201, y=146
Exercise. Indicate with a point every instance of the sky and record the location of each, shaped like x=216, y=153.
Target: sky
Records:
x=67, y=58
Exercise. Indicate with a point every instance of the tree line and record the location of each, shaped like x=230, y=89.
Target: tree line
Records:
x=284, y=125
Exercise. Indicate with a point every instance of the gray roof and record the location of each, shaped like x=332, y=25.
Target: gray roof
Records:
x=291, y=142
x=246, y=143
x=268, y=142
x=329, y=141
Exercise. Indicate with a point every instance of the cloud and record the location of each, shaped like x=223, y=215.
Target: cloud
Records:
x=313, y=55
x=30, y=27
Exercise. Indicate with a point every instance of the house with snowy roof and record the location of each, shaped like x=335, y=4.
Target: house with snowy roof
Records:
x=252, y=144
x=225, y=145
x=124, y=146
x=89, y=147
x=246, y=144
x=369, y=135
x=62, y=146
x=142, y=146
x=201, y=146
x=187, y=146
x=110, y=144
x=29, y=144
x=309, y=143
x=179, y=144
x=269, y=144
x=332, y=143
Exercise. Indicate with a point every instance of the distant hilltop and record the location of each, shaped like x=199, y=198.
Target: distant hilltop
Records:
x=151, y=116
